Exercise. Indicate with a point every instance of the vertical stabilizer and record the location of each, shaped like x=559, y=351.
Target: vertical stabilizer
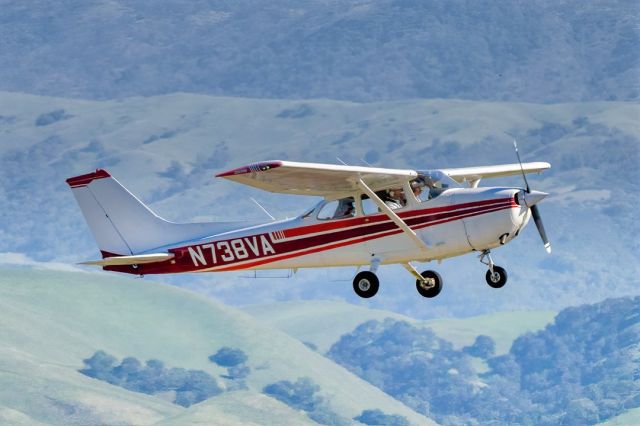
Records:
x=123, y=225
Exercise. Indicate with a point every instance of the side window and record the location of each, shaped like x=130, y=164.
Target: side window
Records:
x=338, y=209
x=328, y=210
x=369, y=207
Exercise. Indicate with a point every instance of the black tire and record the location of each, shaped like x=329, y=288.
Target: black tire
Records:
x=498, y=279
x=366, y=284
x=431, y=291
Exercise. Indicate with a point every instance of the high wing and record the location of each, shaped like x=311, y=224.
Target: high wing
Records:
x=327, y=180
x=474, y=174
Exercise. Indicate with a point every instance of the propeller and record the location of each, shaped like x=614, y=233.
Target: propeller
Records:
x=531, y=198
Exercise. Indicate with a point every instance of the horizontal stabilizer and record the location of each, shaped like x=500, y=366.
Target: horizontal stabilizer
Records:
x=130, y=260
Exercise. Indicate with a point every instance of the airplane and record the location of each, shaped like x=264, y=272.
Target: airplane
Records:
x=368, y=217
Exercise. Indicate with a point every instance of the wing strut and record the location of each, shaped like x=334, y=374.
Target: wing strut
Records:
x=392, y=215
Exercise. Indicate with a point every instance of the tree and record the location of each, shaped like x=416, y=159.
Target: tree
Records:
x=379, y=418
x=228, y=357
x=300, y=395
x=191, y=386
x=483, y=347
x=99, y=366
x=128, y=367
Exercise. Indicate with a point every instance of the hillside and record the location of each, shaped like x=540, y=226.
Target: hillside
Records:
x=52, y=321
x=580, y=369
x=538, y=50
x=322, y=323
x=166, y=149
x=630, y=417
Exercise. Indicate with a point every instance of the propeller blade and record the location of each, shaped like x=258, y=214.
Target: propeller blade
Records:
x=524, y=176
x=543, y=234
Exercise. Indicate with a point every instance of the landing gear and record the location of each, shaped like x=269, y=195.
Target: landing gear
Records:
x=430, y=285
x=366, y=284
x=496, y=276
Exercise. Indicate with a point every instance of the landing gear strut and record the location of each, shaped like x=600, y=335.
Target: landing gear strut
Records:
x=366, y=283
x=428, y=284
x=496, y=276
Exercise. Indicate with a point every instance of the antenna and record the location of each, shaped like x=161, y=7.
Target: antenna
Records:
x=343, y=163
x=262, y=208
x=366, y=162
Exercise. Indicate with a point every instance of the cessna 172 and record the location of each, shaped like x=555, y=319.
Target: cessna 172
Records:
x=369, y=217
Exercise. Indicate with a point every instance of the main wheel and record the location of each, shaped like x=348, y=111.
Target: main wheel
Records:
x=366, y=284
x=498, y=278
x=429, y=291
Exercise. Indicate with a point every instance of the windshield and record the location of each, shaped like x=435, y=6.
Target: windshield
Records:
x=433, y=183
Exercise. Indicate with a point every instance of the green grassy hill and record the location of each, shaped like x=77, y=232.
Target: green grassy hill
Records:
x=323, y=322
x=628, y=418
x=51, y=321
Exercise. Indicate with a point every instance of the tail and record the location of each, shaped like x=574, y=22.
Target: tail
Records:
x=122, y=225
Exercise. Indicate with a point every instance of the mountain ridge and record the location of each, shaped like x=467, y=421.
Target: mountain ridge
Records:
x=359, y=50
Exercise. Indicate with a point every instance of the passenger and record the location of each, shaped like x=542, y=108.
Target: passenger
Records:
x=399, y=196
x=392, y=198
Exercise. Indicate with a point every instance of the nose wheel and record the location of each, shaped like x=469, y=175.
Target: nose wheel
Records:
x=496, y=276
x=366, y=284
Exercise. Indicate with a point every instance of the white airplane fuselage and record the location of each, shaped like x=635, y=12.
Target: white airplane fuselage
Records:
x=458, y=221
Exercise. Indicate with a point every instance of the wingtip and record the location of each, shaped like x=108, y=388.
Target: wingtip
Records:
x=254, y=167
x=547, y=247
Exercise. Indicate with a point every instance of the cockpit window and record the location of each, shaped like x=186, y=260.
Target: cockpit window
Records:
x=431, y=183
x=337, y=209
x=368, y=206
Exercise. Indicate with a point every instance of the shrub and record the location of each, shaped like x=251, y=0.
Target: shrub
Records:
x=378, y=418
x=302, y=395
x=228, y=357
x=483, y=347
x=191, y=386
x=99, y=366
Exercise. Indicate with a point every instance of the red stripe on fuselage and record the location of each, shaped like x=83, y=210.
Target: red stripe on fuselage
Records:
x=362, y=239
x=346, y=232
x=380, y=217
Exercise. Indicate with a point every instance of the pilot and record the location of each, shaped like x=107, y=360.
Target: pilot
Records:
x=416, y=187
x=345, y=209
